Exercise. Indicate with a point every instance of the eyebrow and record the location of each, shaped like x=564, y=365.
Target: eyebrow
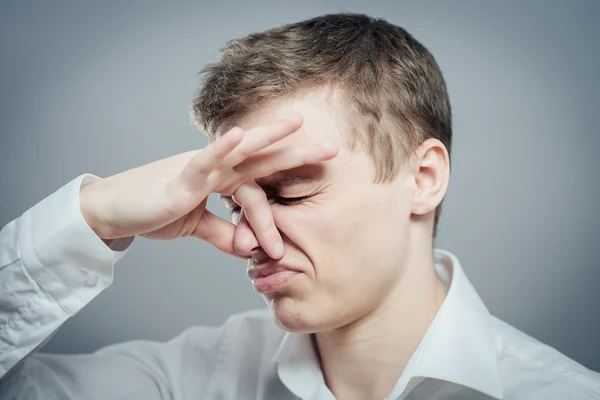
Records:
x=304, y=175
x=276, y=181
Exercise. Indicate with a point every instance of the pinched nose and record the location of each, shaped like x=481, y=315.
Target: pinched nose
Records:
x=245, y=242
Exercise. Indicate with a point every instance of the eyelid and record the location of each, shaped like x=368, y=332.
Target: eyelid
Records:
x=235, y=208
x=289, y=200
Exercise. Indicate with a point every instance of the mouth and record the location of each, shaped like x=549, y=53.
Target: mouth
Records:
x=272, y=277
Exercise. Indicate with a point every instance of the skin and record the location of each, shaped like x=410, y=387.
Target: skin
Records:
x=365, y=250
x=167, y=198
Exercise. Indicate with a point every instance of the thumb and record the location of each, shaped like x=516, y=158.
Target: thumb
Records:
x=217, y=232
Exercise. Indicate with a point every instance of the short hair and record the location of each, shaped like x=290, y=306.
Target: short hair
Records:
x=393, y=93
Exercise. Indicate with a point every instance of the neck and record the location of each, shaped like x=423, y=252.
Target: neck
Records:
x=365, y=359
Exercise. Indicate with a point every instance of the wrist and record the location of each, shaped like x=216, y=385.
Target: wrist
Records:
x=86, y=201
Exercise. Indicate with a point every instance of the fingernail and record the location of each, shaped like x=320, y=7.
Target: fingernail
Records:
x=278, y=249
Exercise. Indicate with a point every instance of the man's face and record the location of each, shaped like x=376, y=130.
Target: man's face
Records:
x=347, y=235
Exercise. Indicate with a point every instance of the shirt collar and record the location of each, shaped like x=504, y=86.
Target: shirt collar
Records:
x=458, y=347
x=298, y=365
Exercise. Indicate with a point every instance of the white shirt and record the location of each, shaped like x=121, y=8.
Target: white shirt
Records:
x=52, y=265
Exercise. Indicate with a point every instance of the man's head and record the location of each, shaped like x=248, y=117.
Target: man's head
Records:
x=357, y=219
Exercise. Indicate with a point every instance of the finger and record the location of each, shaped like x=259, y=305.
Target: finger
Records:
x=268, y=163
x=257, y=210
x=203, y=163
x=261, y=137
x=244, y=240
x=217, y=232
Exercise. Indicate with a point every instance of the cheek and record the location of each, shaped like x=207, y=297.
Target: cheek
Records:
x=311, y=227
x=300, y=222
x=342, y=237
x=359, y=234
x=325, y=232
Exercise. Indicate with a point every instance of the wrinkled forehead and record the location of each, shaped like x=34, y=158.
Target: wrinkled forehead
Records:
x=320, y=112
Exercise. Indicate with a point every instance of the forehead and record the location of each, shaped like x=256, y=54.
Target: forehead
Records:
x=322, y=123
x=321, y=118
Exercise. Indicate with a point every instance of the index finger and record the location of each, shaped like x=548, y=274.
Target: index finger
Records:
x=261, y=137
x=203, y=163
x=253, y=200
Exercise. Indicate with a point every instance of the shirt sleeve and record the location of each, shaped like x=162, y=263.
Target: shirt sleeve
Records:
x=51, y=265
x=182, y=368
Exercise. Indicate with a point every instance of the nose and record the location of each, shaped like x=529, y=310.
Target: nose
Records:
x=244, y=239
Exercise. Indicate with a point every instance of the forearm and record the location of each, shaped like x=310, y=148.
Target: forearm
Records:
x=51, y=265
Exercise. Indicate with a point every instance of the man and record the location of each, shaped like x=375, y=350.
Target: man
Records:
x=330, y=142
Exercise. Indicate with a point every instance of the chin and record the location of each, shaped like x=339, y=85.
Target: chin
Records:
x=292, y=316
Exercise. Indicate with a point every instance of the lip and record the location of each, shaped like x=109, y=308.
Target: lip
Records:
x=272, y=277
x=264, y=270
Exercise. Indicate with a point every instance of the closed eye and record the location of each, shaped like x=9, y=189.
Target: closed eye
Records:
x=285, y=201
x=288, y=201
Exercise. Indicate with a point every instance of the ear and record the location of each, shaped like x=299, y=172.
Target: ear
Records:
x=431, y=175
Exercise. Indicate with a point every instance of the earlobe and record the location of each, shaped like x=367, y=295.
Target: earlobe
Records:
x=432, y=171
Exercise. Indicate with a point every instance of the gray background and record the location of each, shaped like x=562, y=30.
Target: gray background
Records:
x=101, y=87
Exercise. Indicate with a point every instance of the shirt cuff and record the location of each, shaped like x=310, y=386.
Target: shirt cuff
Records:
x=62, y=253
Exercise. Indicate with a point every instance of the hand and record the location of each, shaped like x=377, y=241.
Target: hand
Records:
x=166, y=199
